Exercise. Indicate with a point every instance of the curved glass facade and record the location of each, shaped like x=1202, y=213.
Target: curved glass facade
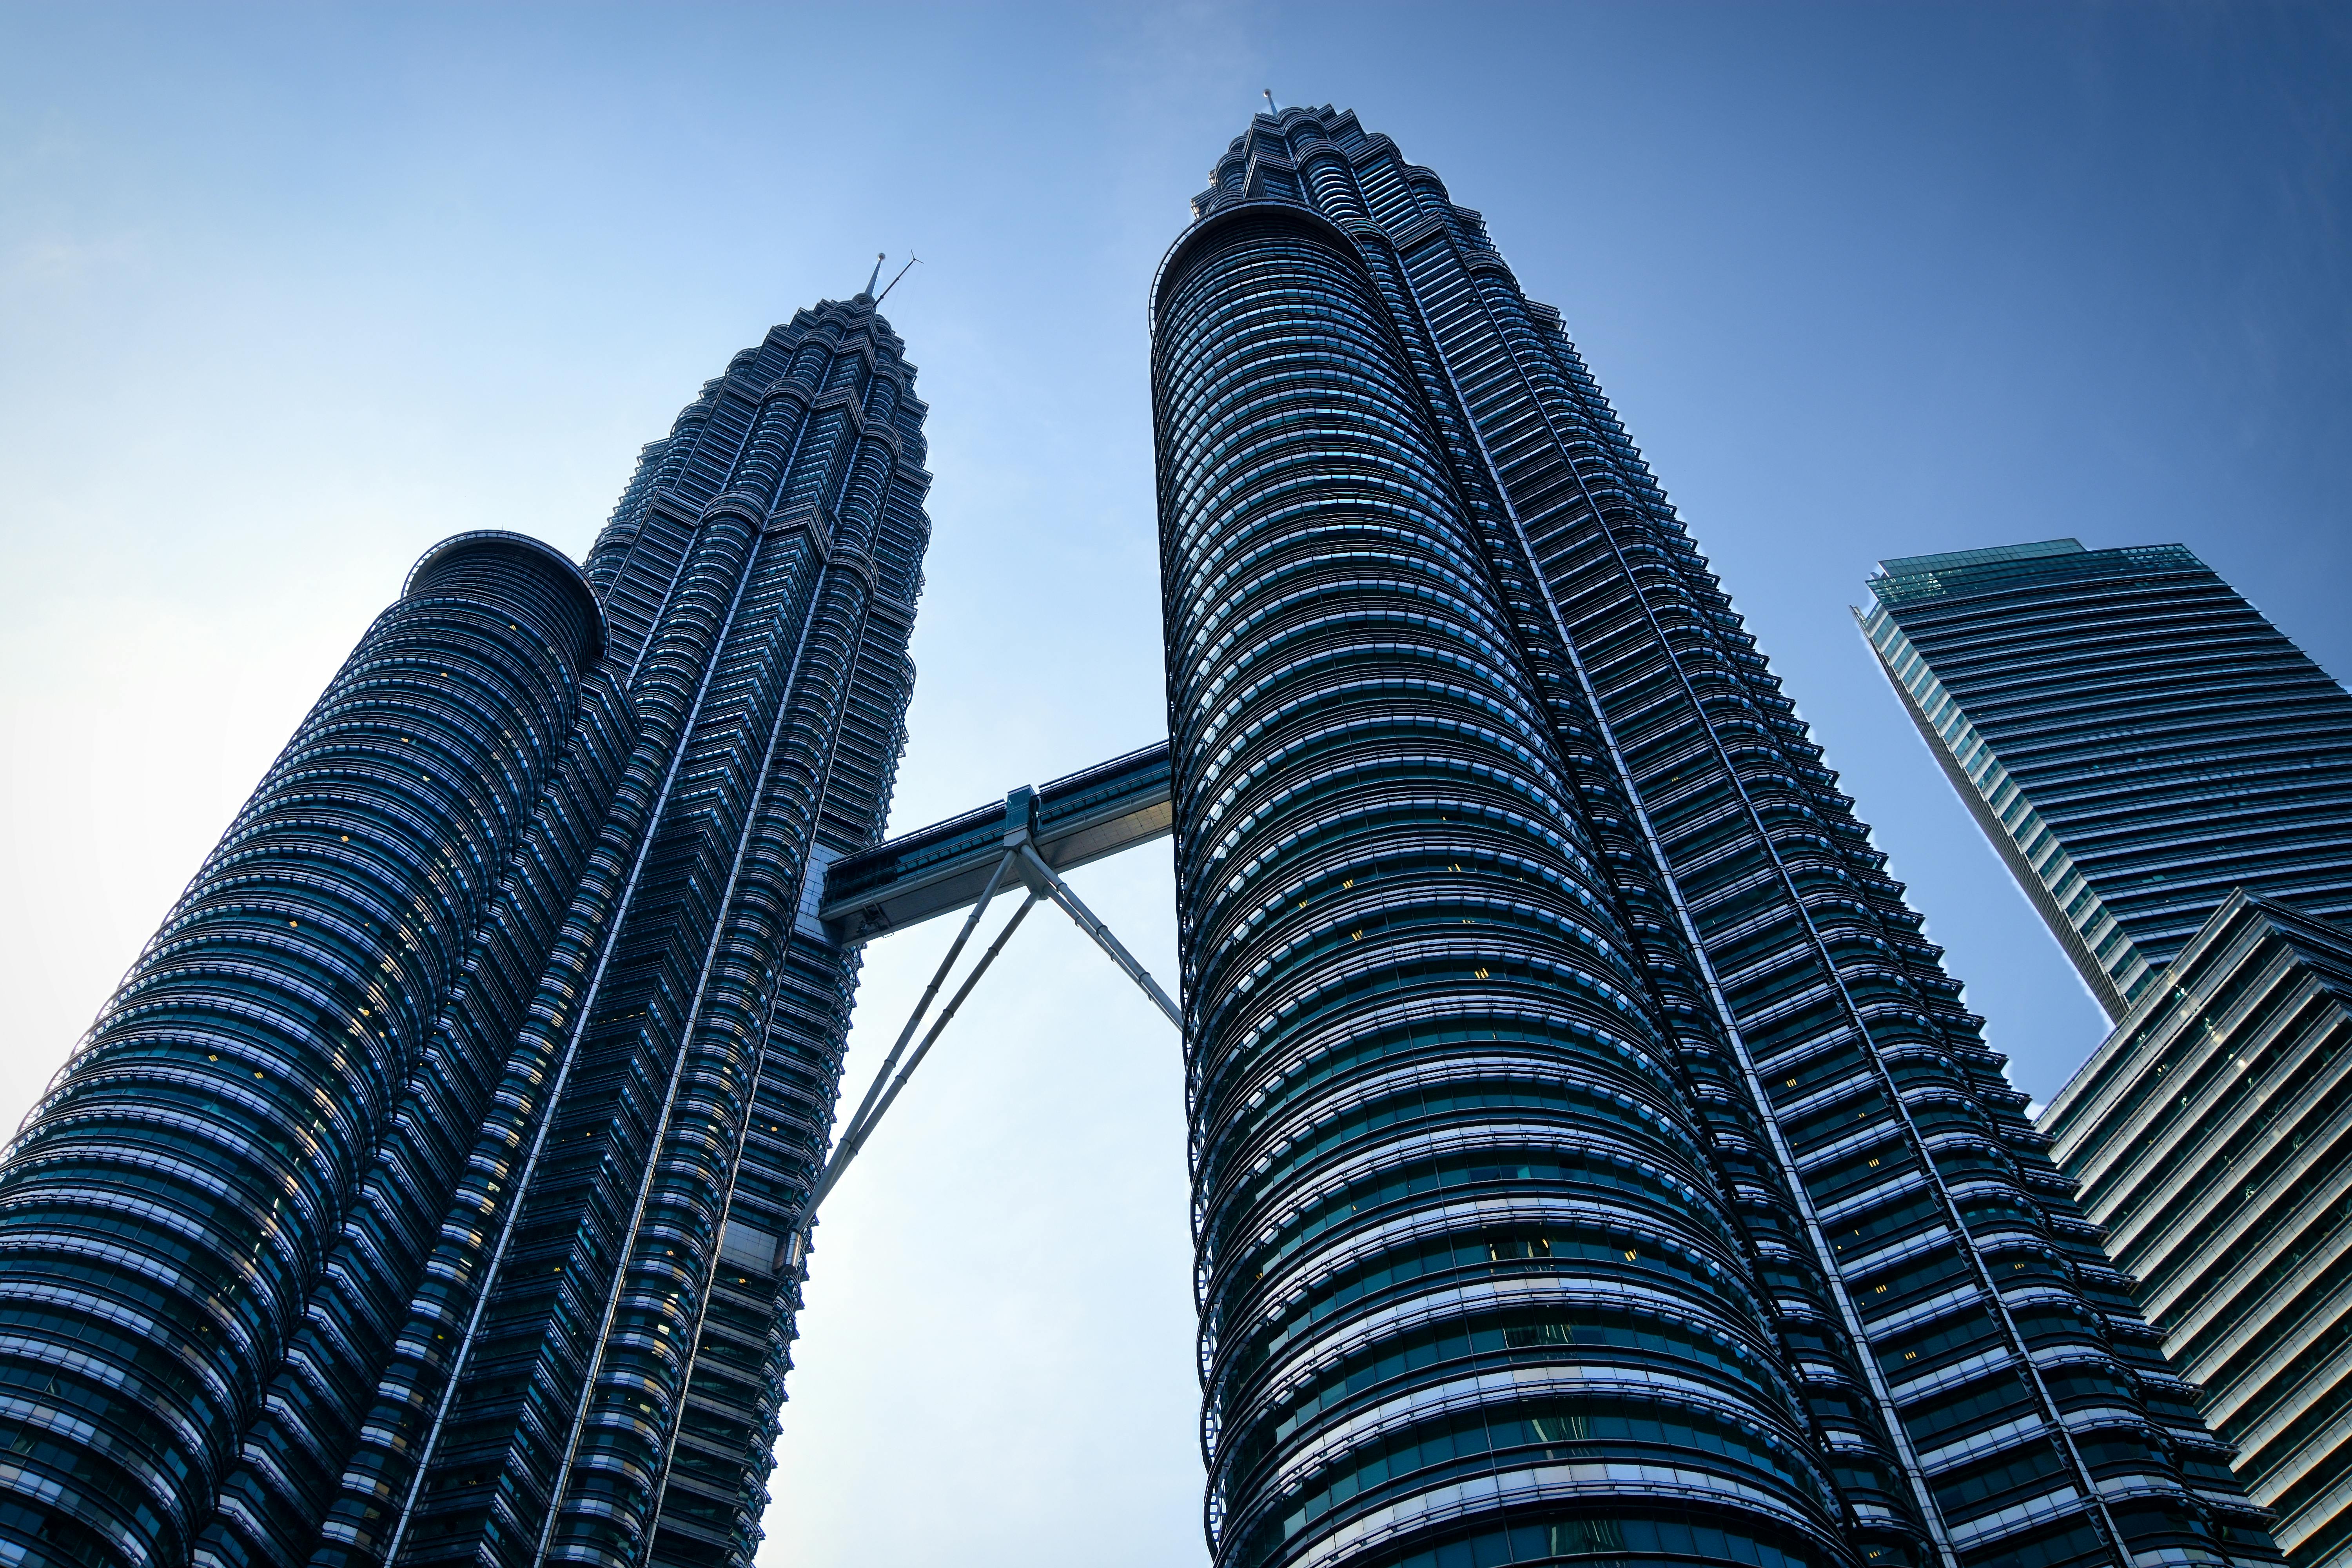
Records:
x=422, y=1195
x=1461, y=1250
x=1447, y=675
x=170, y=1213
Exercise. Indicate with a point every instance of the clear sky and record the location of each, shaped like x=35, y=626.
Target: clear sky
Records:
x=288, y=293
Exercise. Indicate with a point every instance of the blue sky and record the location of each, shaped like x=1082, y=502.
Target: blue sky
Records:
x=287, y=293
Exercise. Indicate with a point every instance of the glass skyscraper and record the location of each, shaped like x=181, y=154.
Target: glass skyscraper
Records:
x=2213, y=1136
x=2136, y=741
x=1592, y=1162
x=422, y=1195
x=2169, y=779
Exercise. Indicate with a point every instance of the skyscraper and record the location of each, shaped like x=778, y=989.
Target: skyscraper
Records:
x=2169, y=779
x=1592, y=1160
x=2136, y=740
x=2211, y=1138
x=421, y=1195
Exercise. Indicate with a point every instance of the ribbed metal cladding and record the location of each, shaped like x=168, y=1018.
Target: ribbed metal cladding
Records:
x=2136, y=741
x=422, y=1198
x=1468, y=1285
x=169, y=1210
x=2212, y=1134
x=599, y=1381
x=1976, y=1380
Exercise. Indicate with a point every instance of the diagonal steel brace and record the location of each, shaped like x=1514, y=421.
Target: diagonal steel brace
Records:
x=854, y=1135
x=879, y=1099
x=1060, y=892
x=855, y=1139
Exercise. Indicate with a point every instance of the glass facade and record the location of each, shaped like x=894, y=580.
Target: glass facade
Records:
x=421, y=1195
x=2136, y=740
x=1592, y=1163
x=2213, y=1136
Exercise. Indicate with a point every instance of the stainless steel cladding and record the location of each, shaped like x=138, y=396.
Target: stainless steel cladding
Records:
x=1592, y=1158
x=421, y=1197
x=203, y=1192
x=1462, y=1257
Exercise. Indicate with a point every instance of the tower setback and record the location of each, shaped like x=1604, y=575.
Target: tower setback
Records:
x=1592, y=1162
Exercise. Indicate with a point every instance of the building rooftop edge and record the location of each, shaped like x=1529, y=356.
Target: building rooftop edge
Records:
x=1908, y=565
x=1906, y=579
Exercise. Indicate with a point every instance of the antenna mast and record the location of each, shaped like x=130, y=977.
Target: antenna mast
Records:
x=911, y=259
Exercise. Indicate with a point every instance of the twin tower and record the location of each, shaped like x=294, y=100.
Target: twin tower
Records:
x=1592, y=1164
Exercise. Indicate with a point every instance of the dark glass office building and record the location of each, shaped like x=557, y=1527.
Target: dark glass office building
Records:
x=2212, y=1137
x=2136, y=741
x=1592, y=1162
x=2169, y=779
x=421, y=1195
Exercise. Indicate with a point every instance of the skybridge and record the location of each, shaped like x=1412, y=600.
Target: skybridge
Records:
x=964, y=863
x=942, y=868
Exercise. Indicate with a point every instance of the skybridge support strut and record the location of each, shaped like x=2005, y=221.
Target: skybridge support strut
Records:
x=1060, y=892
x=938, y=976
x=1124, y=803
x=862, y=1125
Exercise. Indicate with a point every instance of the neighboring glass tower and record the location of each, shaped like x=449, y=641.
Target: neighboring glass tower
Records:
x=2136, y=741
x=2213, y=1136
x=2169, y=779
x=1592, y=1162
x=420, y=1196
